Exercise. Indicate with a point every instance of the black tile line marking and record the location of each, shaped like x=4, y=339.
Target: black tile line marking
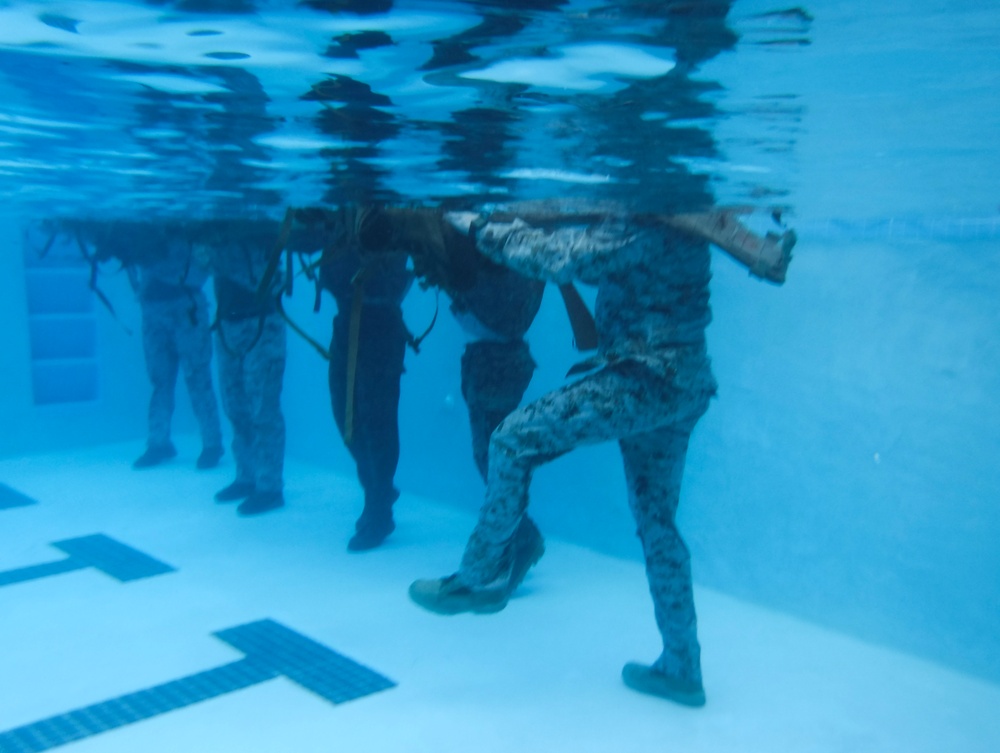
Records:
x=97, y=551
x=10, y=497
x=272, y=650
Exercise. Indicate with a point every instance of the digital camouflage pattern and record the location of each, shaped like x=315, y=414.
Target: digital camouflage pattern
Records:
x=251, y=371
x=653, y=382
x=176, y=337
x=252, y=350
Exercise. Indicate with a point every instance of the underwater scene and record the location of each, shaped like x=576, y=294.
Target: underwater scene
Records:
x=483, y=375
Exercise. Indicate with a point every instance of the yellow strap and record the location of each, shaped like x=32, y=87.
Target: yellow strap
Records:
x=353, y=340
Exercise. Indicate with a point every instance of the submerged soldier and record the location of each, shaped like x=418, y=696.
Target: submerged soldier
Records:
x=364, y=265
x=652, y=383
x=176, y=335
x=493, y=304
x=367, y=352
x=168, y=282
x=495, y=312
x=251, y=335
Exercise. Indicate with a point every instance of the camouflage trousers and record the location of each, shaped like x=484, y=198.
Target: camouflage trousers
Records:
x=175, y=337
x=251, y=371
x=651, y=417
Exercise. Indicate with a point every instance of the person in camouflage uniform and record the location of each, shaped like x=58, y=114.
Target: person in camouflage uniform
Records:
x=175, y=336
x=495, y=312
x=252, y=346
x=652, y=383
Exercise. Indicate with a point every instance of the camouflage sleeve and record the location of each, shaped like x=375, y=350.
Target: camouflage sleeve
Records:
x=586, y=253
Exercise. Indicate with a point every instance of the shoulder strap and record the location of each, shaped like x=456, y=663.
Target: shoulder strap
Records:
x=353, y=340
x=580, y=318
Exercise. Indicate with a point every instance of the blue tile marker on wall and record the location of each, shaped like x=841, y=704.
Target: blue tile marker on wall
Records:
x=97, y=551
x=272, y=650
x=13, y=498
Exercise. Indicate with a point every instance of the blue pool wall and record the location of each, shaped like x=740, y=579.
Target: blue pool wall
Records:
x=846, y=474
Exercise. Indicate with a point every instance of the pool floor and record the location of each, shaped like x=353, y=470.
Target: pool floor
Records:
x=137, y=614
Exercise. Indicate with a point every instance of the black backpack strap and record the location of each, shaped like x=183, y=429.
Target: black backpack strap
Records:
x=580, y=318
x=91, y=259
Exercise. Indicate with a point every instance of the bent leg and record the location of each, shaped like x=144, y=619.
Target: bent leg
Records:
x=619, y=400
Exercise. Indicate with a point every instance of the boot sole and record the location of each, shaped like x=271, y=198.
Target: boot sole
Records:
x=456, y=604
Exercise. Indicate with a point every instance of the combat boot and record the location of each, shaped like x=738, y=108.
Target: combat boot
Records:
x=529, y=546
x=370, y=533
x=375, y=523
x=209, y=458
x=651, y=681
x=260, y=502
x=450, y=595
x=154, y=455
x=235, y=491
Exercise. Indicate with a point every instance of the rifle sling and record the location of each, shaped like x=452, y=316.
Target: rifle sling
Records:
x=580, y=318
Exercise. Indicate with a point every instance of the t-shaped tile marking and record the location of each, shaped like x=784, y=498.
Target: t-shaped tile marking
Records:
x=98, y=551
x=271, y=649
x=10, y=497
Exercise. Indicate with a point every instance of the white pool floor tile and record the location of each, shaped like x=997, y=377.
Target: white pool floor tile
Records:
x=543, y=675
